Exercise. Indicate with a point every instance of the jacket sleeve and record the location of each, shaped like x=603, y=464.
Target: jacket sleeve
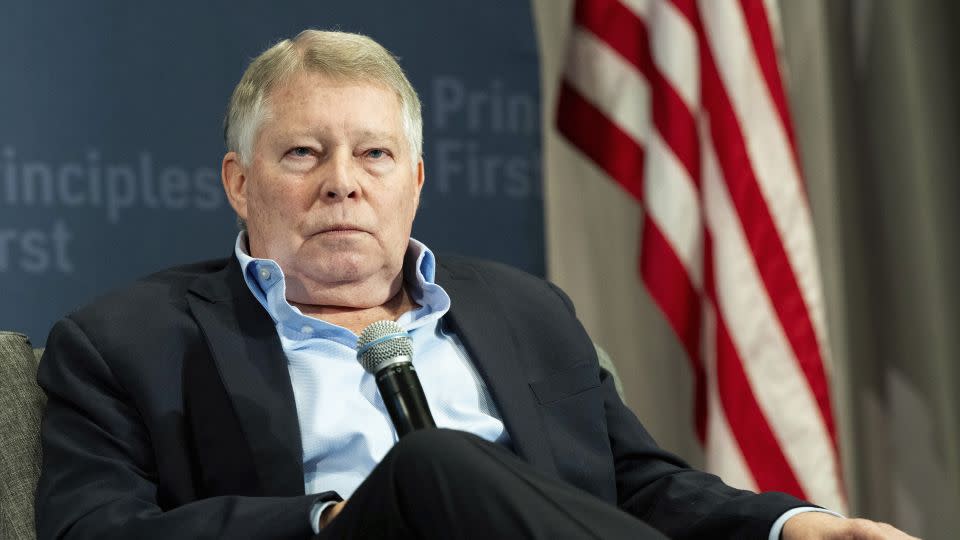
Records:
x=661, y=489
x=682, y=502
x=99, y=478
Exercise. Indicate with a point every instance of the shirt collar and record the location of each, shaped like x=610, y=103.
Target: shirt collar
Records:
x=266, y=282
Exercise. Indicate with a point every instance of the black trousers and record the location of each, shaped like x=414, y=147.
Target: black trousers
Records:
x=448, y=484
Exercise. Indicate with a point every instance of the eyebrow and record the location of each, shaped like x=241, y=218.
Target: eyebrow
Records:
x=379, y=135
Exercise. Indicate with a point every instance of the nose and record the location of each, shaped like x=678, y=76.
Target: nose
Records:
x=339, y=179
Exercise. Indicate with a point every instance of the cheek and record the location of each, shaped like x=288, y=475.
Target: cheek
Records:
x=406, y=208
x=274, y=198
x=267, y=192
x=259, y=204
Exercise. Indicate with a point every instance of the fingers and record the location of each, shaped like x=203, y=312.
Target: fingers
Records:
x=864, y=529
x=895, y=533
x=331, y=512
x=820, y=526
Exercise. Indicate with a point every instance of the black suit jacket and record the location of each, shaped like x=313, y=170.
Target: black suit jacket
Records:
x=171, y=413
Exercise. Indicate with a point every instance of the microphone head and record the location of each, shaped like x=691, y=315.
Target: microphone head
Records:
x=382, y=343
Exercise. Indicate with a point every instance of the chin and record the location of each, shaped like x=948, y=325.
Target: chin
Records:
x=339, y=268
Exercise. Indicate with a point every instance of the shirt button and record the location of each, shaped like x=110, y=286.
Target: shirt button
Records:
x=307, y=329
x=265, y=273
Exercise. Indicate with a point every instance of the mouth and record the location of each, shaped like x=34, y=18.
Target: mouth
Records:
x=341, y=229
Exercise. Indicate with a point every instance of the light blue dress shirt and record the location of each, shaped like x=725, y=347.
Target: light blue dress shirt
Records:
x=344, y=425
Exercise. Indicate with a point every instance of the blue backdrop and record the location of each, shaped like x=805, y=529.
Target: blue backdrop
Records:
x=111, y=134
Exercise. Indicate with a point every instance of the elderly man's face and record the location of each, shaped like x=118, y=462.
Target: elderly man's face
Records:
x=331, y=190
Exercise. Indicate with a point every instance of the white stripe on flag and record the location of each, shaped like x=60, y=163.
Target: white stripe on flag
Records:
x=639, y=7
x=610, y=83
x=673, y=202
x=723, y=454
x=675, y=51
x=771, y=367
x=679, y=205
x=769, y=149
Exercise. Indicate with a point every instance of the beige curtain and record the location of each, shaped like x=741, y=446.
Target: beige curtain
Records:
x=873, y=88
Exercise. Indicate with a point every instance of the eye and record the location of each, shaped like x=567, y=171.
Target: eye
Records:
x=377, y=153
x=299, y=151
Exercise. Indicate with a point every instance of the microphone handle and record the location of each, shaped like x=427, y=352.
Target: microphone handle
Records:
x=402, y=394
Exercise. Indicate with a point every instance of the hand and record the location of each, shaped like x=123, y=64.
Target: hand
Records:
x=331, y=512
x=822, y=526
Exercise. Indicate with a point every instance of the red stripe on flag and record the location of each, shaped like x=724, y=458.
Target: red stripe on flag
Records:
x=760, y=448
x=603, y=141
x=757, y=443
x=676, y=124
x=619, y=28
x=661, y=269
x=758, y=25
x=761, y=233
x=614, y=24
x=688, y=8
x=671, y=288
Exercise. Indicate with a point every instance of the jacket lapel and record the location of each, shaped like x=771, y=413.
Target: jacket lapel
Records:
x=252, y=367
x=480, y=322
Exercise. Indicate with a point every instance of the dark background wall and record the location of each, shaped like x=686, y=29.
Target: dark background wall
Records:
x=111, y=134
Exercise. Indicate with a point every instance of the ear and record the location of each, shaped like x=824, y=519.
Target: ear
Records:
x=234, y=178
x=420, y=178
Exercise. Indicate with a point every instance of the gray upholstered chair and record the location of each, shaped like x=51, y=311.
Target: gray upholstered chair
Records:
x=21, y=406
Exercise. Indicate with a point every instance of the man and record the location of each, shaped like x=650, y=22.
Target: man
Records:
x=222, y=399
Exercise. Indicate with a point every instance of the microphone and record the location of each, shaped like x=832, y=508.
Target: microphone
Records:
x=385, y=350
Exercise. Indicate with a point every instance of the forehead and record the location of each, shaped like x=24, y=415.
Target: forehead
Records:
x=305, y=91
x=315, y=107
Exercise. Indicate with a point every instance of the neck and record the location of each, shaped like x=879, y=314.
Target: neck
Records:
x=356, y=319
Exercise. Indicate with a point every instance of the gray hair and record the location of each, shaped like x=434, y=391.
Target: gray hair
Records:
x=341, y=55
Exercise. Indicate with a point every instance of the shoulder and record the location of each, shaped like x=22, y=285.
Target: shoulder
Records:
x=151, y=308
x=131, y=340
x=166, y=287
x=507, y=282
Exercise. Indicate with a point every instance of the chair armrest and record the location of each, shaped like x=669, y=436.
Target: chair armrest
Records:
x=21, y=407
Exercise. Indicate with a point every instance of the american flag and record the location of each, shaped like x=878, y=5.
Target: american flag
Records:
x=681, y=103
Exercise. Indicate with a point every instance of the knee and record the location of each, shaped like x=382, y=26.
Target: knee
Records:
x=436, y=463
x=431, y=472
x=433, y=446
x=436, y=453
